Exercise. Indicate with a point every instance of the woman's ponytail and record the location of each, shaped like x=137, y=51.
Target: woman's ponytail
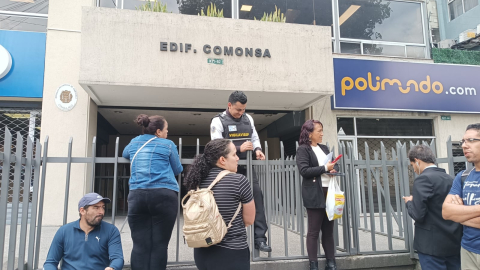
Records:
x=197, y=171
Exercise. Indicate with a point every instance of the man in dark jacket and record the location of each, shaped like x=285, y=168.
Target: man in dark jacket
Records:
x=88, y=243
x=437, y=241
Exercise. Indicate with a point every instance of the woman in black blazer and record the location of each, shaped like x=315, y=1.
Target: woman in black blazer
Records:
x=314, y=191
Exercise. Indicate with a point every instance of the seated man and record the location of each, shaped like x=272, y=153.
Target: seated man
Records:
x=88, y=243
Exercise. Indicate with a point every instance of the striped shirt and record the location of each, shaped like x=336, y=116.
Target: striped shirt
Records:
x=228, y=193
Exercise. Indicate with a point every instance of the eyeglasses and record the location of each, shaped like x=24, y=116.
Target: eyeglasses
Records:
x=468, y=141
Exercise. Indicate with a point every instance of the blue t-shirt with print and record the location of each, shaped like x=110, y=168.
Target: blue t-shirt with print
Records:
x=471, y=196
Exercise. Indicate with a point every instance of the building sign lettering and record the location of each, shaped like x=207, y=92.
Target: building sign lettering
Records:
x=217, y=50
x=400, y=86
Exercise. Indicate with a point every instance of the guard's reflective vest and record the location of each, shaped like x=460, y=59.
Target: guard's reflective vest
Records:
x=236, y=130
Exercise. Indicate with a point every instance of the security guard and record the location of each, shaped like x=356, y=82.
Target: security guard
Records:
x=236, y=125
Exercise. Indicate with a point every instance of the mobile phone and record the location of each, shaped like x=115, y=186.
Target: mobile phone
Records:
x=339, y=156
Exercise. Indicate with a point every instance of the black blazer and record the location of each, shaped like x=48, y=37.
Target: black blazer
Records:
x=308, y=167
x=433, y=235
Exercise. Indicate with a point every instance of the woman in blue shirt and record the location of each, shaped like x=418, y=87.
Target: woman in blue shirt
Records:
x=153, y=197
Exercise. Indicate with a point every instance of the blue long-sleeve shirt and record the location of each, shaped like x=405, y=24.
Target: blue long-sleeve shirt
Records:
x=155, y=165
x=101, y=248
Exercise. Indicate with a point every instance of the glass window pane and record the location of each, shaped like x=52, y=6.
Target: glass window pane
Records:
x=415, y=52
x=380, y=49
x=455, y=8
x=381, y=20
x=190, y=7
x=347, y=125
x=23, y=24
x=469, y=4
x=30, y=6
x=314, y=12
x=353, y=48
x=394, y=127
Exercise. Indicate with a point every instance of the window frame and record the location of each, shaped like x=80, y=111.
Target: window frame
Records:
x=463, y=9
x=394, y=43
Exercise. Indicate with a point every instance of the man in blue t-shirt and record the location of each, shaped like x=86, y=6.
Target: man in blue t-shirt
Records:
x=462, y=205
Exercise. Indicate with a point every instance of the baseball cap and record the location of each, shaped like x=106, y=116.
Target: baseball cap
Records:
x=91, y=199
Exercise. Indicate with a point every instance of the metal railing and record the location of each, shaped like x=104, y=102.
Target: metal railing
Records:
x=371, y=223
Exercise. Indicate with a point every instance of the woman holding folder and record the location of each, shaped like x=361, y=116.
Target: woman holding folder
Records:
x=314, y=162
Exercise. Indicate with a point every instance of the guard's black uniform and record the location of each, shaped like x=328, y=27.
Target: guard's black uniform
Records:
x=241, y=128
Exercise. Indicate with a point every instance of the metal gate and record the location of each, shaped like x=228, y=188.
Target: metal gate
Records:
x=374, y=220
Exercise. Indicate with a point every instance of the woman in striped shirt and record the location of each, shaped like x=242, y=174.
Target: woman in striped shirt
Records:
x=232, y=253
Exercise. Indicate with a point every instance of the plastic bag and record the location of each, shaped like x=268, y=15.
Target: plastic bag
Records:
x=335, y=200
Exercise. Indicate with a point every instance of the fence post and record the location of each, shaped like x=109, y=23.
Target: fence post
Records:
x=268, y=209
x=355, y=201
x=40, y=203
x=370, y=197
x=25, y=203
x=7, y=153
x=179, y=179
x=115, y=169
x=94, y=152
x=67, y=185
x=386, y=185
x=15, y=201
x=451, y=169
x=35, y=193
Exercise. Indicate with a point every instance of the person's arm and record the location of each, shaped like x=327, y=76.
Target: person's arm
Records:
x=175, y=162
x=255, y=138
x=246, y=199
x=126, y=151
x=115, y=253
x=474, y=223
x=303, y=164
x=453, y=208
x=248, y=213
x=422, y=191
x=216, y=129
x=55, y=253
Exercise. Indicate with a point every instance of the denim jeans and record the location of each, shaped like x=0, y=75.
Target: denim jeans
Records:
x=151, y=217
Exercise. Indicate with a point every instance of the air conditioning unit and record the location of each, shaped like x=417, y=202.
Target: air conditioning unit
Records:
x=467, y=34
x=446, y=43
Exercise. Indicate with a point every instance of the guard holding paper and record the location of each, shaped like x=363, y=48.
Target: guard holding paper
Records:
x=238, y=126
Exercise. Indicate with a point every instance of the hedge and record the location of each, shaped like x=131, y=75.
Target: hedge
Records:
x=456, y=56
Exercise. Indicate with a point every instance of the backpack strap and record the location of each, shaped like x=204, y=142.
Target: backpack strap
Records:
x=131, y=162
x=465, y=174
x=219, y=177
x=235, y=215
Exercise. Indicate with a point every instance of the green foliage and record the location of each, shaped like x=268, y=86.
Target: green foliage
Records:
x=456, y=56
x=275, y=16
x=155, y=6
x=212, y=11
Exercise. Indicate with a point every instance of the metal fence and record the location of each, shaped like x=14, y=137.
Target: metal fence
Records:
x=374, y=220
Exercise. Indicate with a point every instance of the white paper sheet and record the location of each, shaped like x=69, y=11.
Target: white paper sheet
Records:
x=327, y=158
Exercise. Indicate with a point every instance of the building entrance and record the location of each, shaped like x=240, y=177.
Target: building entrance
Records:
x=191, y=126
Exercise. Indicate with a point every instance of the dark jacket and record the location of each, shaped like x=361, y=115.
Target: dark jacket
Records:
x=433, y=235
x=308, y=167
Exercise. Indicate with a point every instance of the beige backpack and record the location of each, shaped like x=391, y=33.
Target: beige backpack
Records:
x=203, y=225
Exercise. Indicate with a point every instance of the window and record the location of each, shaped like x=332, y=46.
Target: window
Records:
x=469, y=4
x=394, y=127
x=458, y=7
x=29, y=6
x=313, y=12
x=24, y=15
x=381, y=20
x=189, y=7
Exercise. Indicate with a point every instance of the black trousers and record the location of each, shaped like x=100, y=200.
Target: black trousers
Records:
x=318, y=220
x=260, y=224
x=151, y=217
x=220, y=258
